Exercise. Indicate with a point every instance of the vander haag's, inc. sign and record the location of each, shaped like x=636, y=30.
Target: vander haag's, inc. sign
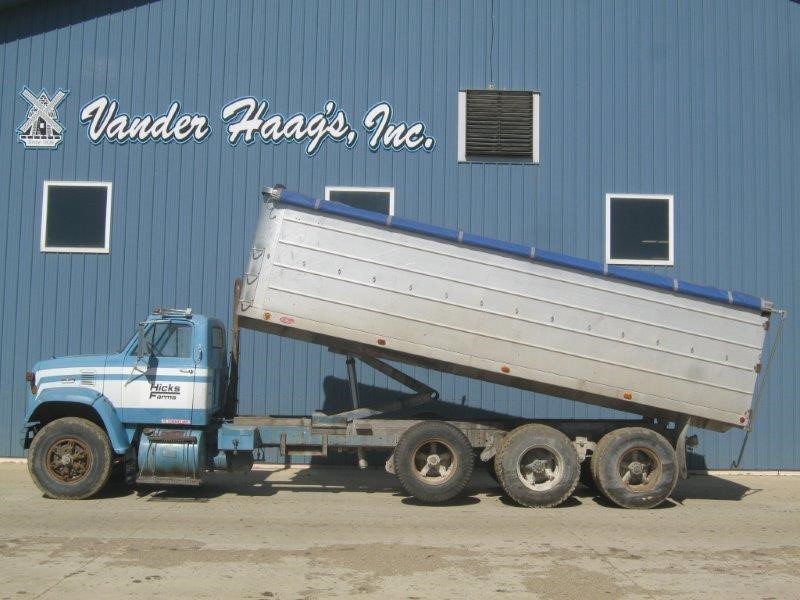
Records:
x=245, y=120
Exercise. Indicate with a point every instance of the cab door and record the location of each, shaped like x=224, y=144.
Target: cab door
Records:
x=160, y=387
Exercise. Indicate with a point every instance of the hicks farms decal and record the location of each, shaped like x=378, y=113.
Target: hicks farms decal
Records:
x=164, y=391
x=246, y=120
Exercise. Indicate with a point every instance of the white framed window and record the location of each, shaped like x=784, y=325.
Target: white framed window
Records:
x=640, y=229
x=76, y=217
x=498, y=126
x=376, y=199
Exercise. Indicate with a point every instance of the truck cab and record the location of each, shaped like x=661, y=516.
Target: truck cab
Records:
x=171, y=376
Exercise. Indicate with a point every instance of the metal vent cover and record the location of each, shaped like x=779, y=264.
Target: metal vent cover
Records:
x=88, y=378
x=499, y=124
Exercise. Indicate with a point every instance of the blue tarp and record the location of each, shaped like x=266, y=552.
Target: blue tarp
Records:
x=529, y=252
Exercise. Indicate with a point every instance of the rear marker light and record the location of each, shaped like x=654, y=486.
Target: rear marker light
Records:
x=505, y=369
x=627, y=396
x=381, y=342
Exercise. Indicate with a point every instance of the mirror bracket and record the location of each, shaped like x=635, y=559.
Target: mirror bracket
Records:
x=140, y=349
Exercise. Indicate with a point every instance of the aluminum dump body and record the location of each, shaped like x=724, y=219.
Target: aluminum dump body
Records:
x=367, y=283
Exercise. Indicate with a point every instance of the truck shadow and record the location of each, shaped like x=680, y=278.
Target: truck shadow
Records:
x=697, y=487
x=337, y=399
x=334, y=480
x=711, y=487
x=327, y=480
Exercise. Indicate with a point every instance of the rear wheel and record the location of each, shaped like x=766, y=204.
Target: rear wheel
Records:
x=434, y=461
x=635, y=467
x=70, y=458
x=537, y=466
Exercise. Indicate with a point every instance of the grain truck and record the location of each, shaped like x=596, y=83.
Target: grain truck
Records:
x=389, y=291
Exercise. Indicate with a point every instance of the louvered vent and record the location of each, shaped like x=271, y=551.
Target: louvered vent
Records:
x=499, y=124
x=87, y=378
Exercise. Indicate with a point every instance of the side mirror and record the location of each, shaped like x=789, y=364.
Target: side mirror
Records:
x=198, y=354
x=140, y=349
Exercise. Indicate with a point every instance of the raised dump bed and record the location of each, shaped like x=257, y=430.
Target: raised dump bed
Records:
x=517, y=315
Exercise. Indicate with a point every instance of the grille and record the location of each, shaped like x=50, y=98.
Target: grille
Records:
x=499, y=124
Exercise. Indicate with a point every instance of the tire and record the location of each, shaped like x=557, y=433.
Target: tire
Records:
x=70, y=459
x=537, y=466
x=635, y=467
x=433, y=461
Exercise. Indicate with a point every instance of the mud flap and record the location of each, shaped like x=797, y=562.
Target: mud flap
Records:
x=682, y=427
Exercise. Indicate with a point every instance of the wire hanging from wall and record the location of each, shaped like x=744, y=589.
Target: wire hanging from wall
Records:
x=491, y=49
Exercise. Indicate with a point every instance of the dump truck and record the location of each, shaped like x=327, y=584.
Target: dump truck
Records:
x=389, y=291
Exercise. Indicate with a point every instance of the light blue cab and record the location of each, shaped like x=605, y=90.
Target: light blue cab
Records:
x=164, y=390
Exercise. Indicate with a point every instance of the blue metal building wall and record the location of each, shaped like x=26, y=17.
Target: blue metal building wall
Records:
x=697, y=99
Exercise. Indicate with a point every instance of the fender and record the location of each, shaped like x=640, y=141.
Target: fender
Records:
x=94, y=399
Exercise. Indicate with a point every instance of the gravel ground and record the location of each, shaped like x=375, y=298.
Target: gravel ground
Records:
x=336, y=532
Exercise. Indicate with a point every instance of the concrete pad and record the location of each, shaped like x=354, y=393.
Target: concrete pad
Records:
x=338, y=532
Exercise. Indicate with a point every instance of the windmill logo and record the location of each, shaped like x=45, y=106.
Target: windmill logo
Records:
x=41, y=128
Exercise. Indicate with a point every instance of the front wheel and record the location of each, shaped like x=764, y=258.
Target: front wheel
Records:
x=70, y=459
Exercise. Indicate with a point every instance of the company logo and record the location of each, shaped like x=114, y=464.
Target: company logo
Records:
x=165, y=391
x=245, y=120
x=41, y=128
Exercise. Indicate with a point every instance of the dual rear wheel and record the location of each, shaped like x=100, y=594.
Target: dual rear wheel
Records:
x=538, y=466
x=633, y=467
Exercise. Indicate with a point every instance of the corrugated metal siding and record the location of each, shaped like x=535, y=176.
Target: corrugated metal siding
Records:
x=697, y=99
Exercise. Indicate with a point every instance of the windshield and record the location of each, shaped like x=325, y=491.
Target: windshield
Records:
x=168, y=339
